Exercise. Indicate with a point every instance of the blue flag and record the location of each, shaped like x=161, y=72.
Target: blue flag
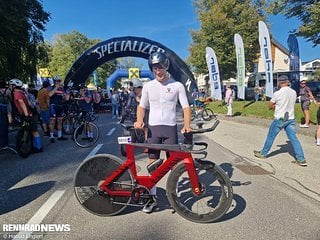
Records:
x=294, y=61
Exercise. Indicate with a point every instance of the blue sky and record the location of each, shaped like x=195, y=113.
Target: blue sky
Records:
x=166, y=21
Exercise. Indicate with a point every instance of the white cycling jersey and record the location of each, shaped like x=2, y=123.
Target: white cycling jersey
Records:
x=162, y=100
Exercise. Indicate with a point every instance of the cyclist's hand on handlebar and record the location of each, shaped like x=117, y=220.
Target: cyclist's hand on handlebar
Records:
x=138, y=125
x=186, y=129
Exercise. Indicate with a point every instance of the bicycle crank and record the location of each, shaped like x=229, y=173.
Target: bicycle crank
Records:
x=140, y=195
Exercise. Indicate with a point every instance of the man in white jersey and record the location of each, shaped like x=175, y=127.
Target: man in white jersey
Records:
x=283, y=102
x=161, y=96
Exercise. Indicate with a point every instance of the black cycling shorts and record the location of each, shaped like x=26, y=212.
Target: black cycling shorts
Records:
x=56, y=111
x=161, y=134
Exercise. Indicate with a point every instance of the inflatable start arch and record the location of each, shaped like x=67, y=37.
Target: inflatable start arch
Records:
x=128, y=47
x=124, y=73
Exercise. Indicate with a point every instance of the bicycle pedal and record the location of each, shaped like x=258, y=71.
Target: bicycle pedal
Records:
x=154, y=165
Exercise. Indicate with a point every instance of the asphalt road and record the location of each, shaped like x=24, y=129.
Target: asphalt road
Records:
x=39, y=189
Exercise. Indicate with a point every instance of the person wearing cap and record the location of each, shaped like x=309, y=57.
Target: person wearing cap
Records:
x=133, y=99
x=43, y=99
x=283, y=102
x=305, y=96
x=57, y=97
x=161, y=96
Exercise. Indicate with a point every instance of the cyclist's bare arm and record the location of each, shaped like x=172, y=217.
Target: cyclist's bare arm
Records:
x=186, y=119
x=24, y=107
x=140, y=115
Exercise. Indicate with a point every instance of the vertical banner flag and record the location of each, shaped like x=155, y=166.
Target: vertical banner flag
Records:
x=214, y=75
x=265, y=49
x=294, y=58
x=240, y=65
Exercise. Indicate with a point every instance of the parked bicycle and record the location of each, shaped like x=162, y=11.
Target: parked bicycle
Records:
x=86, y=133
x=71, y=118
x=202, y=112
x=24, y=139
x=197, y=189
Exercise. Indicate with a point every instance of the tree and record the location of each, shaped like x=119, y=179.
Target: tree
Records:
x=307, y=11
x=67, y=48
x=45, y=53
x=220, y=20
x=22, y=25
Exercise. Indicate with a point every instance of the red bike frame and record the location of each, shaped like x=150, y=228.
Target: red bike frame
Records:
x=149, y=181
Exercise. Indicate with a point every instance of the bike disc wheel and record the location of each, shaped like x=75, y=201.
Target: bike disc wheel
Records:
x=207, y=114
x=24, y=143
x=80, y=134
x=212, y=204
x=93, y=172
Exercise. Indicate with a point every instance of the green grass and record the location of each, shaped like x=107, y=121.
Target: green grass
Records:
x=260, y=110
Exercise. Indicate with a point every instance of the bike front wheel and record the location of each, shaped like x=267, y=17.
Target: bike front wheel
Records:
x=207, y=114
x=215, y=199
x=88, y=177
x=86, y=134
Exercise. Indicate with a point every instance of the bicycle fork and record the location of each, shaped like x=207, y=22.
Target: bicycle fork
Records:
x=193, y=175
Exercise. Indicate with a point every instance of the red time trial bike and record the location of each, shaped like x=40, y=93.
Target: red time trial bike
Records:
x=197, y=189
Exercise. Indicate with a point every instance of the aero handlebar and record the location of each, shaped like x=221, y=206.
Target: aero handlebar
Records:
x=188, y=136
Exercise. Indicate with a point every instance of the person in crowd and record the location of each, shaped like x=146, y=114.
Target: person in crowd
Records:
x=5, y=100
x=133, y=99
x=115, y=103
x=283, y=102
x=43, y=99
x=202, y=94
x=86, y=105
x=68, y=98
x=96, y=98
x=130, y=88
x=256, y=93
x=263, y=93
x=306, y=96
x=133, y=103
x=26, y=111
x=32, y=90
x=161, y=97
x=229, y=100
x=195, y=96
x=57, y=96
x=123, y=101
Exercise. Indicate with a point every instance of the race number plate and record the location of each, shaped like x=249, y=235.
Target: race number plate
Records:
x=124, y=140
